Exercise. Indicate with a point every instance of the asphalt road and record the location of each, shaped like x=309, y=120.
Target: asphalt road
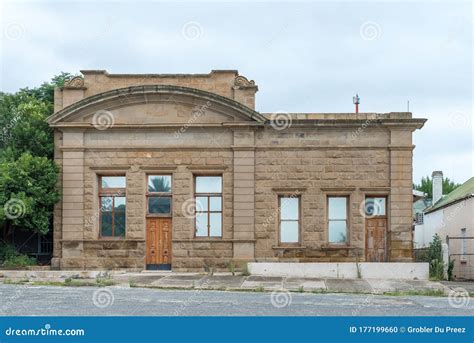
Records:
x=121, y=301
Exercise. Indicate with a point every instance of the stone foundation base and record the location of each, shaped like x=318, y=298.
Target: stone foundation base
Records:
x=365, y=270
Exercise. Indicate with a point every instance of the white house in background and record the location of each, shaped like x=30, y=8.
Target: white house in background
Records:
x=452, y=218
x=420, y=203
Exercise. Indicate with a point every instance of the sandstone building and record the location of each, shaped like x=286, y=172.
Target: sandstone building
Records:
x=180, y=171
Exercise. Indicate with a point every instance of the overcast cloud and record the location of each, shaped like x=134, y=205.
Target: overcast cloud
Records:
x=305, y=57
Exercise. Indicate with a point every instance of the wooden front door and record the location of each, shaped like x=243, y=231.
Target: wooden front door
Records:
x=158, y=243
x=375, y=239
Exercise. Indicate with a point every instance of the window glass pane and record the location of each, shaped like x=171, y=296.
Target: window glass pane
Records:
x=119, y=224
x=289, y=232
x=159, y=205
x=201, y=224
x=159, y=183
x=216, y=204
x=106, y=204
x=106, y=224
x=289, y=208
x=201, y=204
x=380, y=205
x=337, y=231
x=119, y=203
x=337, y=208
x=375, y=206
x=208, y=184
x=216, y=224
x=113, y=181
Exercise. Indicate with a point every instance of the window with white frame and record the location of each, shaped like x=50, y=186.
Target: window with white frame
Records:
x=112, y=202
x=289, y=224
x=463, y=244
x=208, y=195
x=337, y=219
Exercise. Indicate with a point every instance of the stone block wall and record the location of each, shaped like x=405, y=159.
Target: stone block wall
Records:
x=257, y=166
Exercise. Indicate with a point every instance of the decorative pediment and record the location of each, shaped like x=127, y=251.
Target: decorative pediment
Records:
x=153, y=105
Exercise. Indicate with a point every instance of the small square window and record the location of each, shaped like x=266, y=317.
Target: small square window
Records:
x=159, y=183
x=159, y=205
x=375, y=206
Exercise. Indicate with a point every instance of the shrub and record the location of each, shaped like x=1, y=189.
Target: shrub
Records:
x=450, y=270
x=245, y=269
x=231, y=267
x=10, y=258
x=435, y=255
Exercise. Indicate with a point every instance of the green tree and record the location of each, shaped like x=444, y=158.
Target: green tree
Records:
x=426, y=186
x=29, y=193
x=28, y=173
x=23, y=120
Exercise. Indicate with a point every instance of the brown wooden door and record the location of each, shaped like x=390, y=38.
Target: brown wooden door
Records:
x=375, y=239
x=158, y=243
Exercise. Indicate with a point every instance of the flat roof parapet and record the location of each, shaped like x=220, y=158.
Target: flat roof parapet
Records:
x=342, y=115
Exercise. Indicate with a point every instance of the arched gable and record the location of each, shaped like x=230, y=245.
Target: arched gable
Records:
x=156, y=105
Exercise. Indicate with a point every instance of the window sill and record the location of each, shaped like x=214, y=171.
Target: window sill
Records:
x=163, y=215
x=112, y=238
x=104, y=239
x=213, y=240
x=338, y=247
x=281, y=247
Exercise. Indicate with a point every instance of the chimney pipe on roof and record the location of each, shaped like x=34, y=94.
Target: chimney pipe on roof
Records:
x=437, y=185
x=356, y=101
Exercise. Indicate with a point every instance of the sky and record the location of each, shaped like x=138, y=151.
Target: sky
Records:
x=311, y=56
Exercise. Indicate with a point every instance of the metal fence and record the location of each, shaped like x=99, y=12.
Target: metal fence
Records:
x=421, y=255
x=461, y=253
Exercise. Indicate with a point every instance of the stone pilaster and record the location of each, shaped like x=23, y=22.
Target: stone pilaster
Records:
x=58, y=208
x=244, y=194
x=72, y=199
x=400, y=236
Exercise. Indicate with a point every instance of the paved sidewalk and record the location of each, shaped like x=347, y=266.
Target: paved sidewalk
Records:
x=229, y=282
